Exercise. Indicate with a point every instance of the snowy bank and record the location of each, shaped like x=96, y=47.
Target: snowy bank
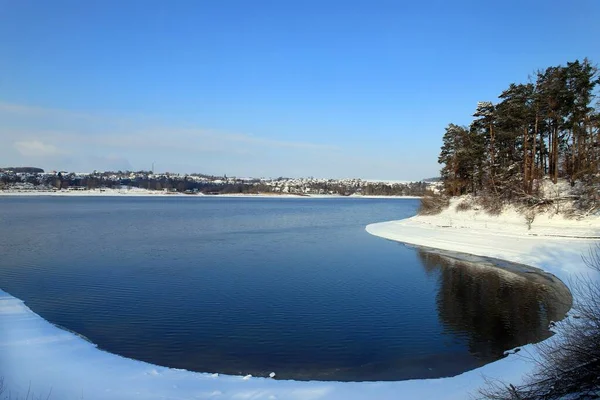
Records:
x=138, y=192
x=551, y=242
x=133, y=192
x=35, y=352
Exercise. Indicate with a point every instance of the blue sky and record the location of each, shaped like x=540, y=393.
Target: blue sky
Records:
x=266, y=88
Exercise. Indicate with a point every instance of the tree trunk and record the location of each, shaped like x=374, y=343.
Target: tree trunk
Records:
x=550, y=152
x=526, y=159
x=574, y=142
x=492, y=145
x=533, y=163
x=555, y=154
x=493, y=158
x=594, y=149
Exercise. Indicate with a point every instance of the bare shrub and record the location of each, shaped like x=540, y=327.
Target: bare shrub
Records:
x=568, y=365
x=587, y=194
x=491, y=204
x=433, y=204
x=464, y=205
x=529, y=218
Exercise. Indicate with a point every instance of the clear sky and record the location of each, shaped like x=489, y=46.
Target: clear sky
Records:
x=266, y=88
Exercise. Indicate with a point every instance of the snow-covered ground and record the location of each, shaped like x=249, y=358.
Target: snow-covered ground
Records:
x=137, y=192
x=91, y=192
x=510, y=222
x=34, y=352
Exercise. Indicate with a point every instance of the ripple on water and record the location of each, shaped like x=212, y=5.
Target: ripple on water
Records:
x=251, y=286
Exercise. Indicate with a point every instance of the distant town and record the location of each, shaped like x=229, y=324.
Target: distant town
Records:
x=31, y=179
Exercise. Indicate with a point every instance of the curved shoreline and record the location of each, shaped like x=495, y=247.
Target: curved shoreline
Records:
x=35, y=352
x=558, y=256
x=562, y=294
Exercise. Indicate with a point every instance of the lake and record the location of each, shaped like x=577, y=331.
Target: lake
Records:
x=260, y=285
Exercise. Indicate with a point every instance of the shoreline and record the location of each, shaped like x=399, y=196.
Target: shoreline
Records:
x=562, y=296
x=149, y=193
x=536, y=275
x=26, y=338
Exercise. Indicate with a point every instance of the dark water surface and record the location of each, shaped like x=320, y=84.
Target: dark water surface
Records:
x=250, y=285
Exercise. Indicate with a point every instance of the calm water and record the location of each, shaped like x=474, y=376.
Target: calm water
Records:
x=232, y=285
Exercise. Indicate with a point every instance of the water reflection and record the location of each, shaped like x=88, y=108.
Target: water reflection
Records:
x=250, y=286
x=497, y=306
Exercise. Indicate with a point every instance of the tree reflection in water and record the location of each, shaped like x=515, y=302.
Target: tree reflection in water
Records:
x=495, y=305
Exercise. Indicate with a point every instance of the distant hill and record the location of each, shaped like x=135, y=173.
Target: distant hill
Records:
x=436, y=179
x=31, y=170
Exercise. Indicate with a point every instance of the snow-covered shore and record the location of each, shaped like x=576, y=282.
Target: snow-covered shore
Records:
x=35, y=352
x=133, y=192
x=553, y=243
x=137, y=192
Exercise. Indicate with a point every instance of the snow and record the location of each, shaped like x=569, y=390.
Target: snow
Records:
x=510, y=222
x=389, y=181
x=35, y=352
x=134, y=191
x=138, y=192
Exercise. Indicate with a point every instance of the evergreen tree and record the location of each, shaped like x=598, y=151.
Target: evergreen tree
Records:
x=544, y=128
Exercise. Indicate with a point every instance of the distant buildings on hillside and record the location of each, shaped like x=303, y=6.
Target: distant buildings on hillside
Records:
x=36, y=179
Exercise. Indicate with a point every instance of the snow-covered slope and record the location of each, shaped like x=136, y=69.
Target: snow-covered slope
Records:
x=511, y=221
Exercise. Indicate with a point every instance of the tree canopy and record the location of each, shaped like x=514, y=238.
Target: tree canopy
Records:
x=545, y=128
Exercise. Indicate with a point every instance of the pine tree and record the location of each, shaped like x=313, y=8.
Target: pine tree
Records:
x=460, y=159
x=486, y=113
x=544, y=128
x=515, y=116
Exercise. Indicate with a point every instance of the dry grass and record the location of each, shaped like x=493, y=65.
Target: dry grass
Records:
x=464, y=205
x=491, y=204
x=433, y=204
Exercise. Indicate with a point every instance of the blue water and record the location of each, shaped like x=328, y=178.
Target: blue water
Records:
x=250, y=285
